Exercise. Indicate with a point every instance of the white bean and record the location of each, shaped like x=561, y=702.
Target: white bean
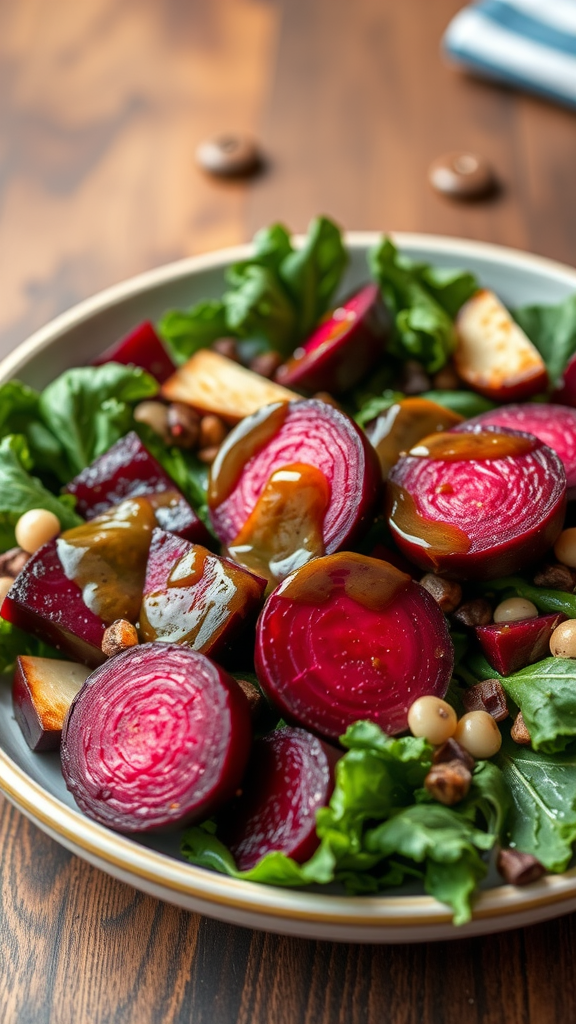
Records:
x=432, y=718
x=513, y=609
x=479, y=734
x=35, y=528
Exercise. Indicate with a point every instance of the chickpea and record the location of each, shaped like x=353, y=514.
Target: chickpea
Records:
x=563, y=640
x=432, y=718
x=479, y=734
x=35, y=528
x=565, y=547
x=154, y=415
x=514, y=609
x=5, y=584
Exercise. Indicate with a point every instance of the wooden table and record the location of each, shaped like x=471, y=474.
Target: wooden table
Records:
x=102, y=104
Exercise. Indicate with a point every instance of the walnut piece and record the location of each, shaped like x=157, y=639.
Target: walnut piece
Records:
x=519, y=868
x=556, y=577
x=448, y=782
x=452, y=751
x=119, y=637
x=487, y=696
x=519, y=732
x=446, y=593
x=477, y=612
x=12, y=562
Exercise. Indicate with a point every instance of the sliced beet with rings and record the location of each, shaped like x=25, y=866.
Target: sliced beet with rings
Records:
x=510, y=646
x=293, y=481
x=290, y=776
x=343, y=348
x=157, y=737
x=349, y=637
x=477, y=503
x=555, y=425
x=128, y=470
x=141, y=347
x=195, y=598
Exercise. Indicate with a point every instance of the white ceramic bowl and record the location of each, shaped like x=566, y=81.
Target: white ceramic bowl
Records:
x=33, y=781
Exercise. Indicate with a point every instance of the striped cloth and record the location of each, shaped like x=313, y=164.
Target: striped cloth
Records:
x=528, y=43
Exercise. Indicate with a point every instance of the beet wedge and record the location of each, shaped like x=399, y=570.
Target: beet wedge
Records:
x=345, y=346
x=476, y=503
x=555, y=425
x=157, y=737
x=141, y=347
x=510, y=646
x=128, y=470
x=42, y=692
x=290, y=776
x=195, y=598
x=292, y=482
x=349, y=637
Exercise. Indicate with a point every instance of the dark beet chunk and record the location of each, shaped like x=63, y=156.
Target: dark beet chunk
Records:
x=349, y=637
x=142, y=347
x=157, y=737
x=510, y=646
x=291, y=482
x=195, y=598
x=345, y=346
x=128, y=470
x=290, y=776
x=477, y=503
x=44, y=602
x=555, y=425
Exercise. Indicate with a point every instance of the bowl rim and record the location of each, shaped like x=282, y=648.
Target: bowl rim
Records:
x=120, y=854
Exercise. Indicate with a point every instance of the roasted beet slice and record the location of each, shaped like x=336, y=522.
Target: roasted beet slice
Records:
x=290, y=776
x=349, y=637
x=405, y=423
x=142, y=347
x=510, y=646
x=477, y=503
x=555, y=425
x=291, y=482
x=195, y=598
x=158, y=737
x=44, y=602
x=128, y=470
x=343, y=348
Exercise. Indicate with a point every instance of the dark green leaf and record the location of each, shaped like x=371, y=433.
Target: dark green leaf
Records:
x=184, y=468
x=376, y=404
x=312, y=274
x=552, y=329
x=546, y=600
x=272, y=246
x=450, y=288
x=20, y=492
x=187, y=331
x=546, y=695
x=19, y=414
x=465, y=403
x=257, y=306
x=14, y=642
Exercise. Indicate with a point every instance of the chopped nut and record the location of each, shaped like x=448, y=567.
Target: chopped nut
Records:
x=183, y=425
x=227, y=347
x=477, y=612
x=519, y=732
x=445, y=592
x=266, y=364
x=155, y=416
x=519, y=868
x=557, y=577
x=415, y=379
x=448, y=782
x=119, y=637
x=207, y=455
x=446, y=379
x=487, y=696
x=254, y=697
x=12, y=562
x=213, y=430
x=452, y=751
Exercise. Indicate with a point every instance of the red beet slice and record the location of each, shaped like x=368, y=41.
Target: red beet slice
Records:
x=142, y=347
x=510, y=646
x=128, y=470
x=195, y=598
x=44, y=602
x=555, y=425
x=291, y=482
x=157, y=737
x=290, y=776
x=343, y=348
x=477, y=503
x=349, y=637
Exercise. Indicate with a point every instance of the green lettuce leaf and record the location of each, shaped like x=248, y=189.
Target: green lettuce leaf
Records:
x=465, y=403
x=546, y=600
x=312, y=274
x=546, y=695
x=188, y=330
x=257, y=306
x=19, y=414
x=19, y=491
x=450, y=287
x=552, y=329
x=14, y=641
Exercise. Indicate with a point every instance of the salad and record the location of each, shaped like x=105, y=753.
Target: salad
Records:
x=294, y=575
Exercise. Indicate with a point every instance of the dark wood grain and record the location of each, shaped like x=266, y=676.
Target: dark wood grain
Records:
x=101, y=106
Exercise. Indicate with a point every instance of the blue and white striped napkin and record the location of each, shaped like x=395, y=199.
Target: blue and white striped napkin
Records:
x=528, y=43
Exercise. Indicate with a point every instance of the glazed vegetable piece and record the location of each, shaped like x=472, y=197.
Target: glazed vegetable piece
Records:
x=343, y=348
x=477, y=503
x=42, y=692
x=290, y=776
x=555, y=425
x=128, y=469
x=292, y=482
x=157, y=737
x=404, y=424
x=195, y=598
x=493, y=354
x=348, y=637
x=510, y=646
x=141, y=347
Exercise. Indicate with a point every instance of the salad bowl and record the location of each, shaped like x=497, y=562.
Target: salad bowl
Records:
x=33, y=782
